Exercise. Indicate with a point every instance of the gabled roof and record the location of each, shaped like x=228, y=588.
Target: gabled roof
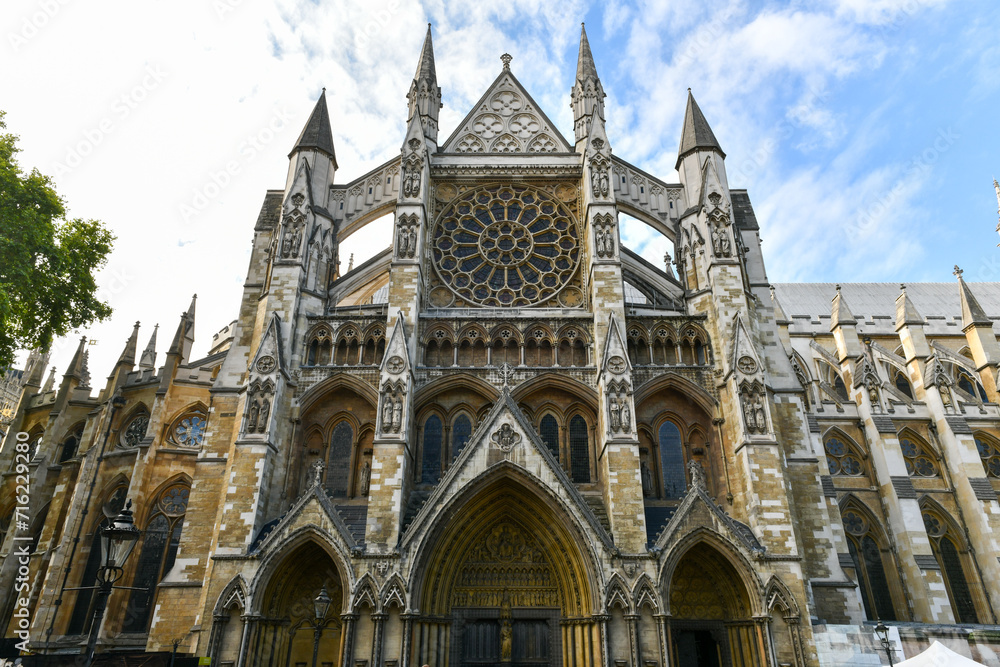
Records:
x=506, y=120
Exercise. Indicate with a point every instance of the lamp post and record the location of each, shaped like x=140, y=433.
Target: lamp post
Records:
x=882, y=632
x=321, y=605
x=117, y=542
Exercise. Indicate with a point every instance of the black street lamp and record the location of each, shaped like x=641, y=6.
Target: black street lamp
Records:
x=882, y=632
x=322, y=605
x=117, y=542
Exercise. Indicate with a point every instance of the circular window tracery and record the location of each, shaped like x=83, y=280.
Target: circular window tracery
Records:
x=135, y=431
x=506, y=246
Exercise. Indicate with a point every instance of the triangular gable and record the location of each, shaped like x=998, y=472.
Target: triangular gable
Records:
x=697, y=510
x=505, y=437
x=614, y=348
x=269, y=358
x=745, y=362
x=313, y=509
x=396, y=361
x=506, y=120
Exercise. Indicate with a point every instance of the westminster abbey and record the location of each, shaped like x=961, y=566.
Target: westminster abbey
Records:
x=508, y=439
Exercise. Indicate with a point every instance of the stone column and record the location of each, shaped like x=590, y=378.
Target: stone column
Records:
x=347, y=640
x=378, y=621
x=407, y=642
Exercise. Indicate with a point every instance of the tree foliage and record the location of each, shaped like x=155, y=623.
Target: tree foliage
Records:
x=47, y=262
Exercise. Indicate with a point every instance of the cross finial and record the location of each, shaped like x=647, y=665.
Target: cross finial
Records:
x=505, y=59
x=506, y=372
x=958, y=272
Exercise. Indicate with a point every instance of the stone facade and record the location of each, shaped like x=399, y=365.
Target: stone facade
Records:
x=508, y=439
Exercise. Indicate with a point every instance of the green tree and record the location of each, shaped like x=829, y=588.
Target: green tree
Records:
x=47, y=263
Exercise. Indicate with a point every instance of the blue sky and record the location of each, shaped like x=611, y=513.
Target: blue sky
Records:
x=864, y=130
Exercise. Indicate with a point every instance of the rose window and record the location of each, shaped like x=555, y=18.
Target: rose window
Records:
x=136, y=431
x=506, y=246
x=190, y=431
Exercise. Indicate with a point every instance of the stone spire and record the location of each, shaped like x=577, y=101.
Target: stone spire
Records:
x=128, y=354
x=76, y=364
x=148, y=358
x=844, y=326
x=425, y=93
x=697, y=134
x=51, y=382
x=189, y=334
x=587, y=95
x=180, y=346
x=317, y=134
x=840, y=312
x=906, y=312
x=972, y=312
x=779, y=312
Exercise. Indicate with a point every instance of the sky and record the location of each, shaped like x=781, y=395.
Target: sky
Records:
x=864, y=130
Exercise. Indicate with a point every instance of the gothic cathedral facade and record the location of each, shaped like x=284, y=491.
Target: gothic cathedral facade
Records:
x=508, y=439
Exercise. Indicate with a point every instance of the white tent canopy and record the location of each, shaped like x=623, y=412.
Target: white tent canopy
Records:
x=939, y=655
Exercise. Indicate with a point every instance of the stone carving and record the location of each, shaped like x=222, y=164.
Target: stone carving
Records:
x=365, y=479
x=697, y=474
x=411, y=176
x=259, y=397
x=406, y=236
x=506, y=630
x=506, y=438
x=720, y=242
x=599, y=180
x=395, y=364
x=265, y=364
x=647, y=480
x=604, y=235
x=746, y=364
x=316, y=473
x=754, y=413
x=136, y=431
x=391, y=413
x=616, y=364
x=619, y=410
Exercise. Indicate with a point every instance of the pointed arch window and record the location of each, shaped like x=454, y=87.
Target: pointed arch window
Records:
x=338, y=463
x=579, y=450
x=672, y=461
x=433, y=437
x=869, y=565
x=461, y=430
x=548, y=428
x=135, y=431
x=843, y=459
x=71, y=444
x=989, y=452
x=946, y=548
x=917, y=456
x=83, y=608
x=839, y=387
x=971, y=386
x=161, y=538
x=902, y=383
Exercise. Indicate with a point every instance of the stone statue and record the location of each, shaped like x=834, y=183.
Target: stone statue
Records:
x=286, y=243
x=296, y=243
x=397, y=414
x=599, y=241
x=758, y=410
x=265, y=411
x=386, y=413
x=724, y=243
x=615, y=412
x=604, y=182
x=647, y=479
x=366, y=478
x=252, y=422
x=411, y=234
x=317, y=472
x=506, y=641
x=404, y=242
x=626, y=416
x=748, y=414
x=717, y=242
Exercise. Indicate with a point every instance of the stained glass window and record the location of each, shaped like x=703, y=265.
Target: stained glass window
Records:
x=160, y=541
x=135, y=431
x=461, y=429
x=841, y=459
x=938, y=530
x=339, y=462
x=433, y=435
x=989, y=452
x=869, y=566
x=189, y=431
x=549, y=430
x=672, y=461
x=579, y=450
x=918, y=461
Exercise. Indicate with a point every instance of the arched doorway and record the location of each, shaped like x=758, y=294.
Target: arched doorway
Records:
x=507, y=582
x=287, y=632
x=711, y=613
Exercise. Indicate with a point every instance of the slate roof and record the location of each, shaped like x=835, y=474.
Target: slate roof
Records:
x=807, y=305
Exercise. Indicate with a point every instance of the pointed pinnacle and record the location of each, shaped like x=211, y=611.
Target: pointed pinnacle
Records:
x=317, y=133
x=425, y=66
x=840, y=312
x=128, y=354
x=906, y=312
x=585, y=67
x=972, y=313
x=148, y=358
x=697, y=134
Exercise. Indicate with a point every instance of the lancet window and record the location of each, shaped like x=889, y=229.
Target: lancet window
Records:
x=954, y=561
x=865, y=546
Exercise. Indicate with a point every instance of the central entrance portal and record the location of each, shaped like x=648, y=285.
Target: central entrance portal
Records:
x=533, y=638
x=506, y=584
